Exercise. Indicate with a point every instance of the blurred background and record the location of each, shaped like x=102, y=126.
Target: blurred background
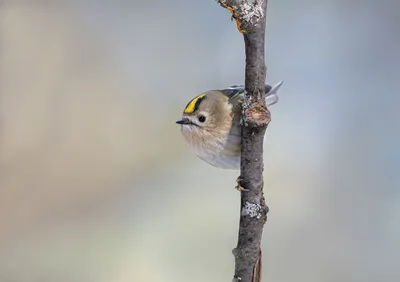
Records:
x=97, y=184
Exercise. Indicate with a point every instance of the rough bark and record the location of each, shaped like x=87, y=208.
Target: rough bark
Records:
x=250, y=17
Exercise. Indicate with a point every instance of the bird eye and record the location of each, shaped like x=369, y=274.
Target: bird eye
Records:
x=202, y=118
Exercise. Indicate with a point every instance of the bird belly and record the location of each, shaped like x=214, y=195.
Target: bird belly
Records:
x=221, y=161
x=225, y=156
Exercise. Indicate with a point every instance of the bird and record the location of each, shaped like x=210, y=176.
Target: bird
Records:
x=210, y=124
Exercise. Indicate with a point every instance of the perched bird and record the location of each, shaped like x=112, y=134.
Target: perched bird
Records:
x=211, y=124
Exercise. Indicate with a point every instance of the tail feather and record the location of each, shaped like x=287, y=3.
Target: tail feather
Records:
x=272, y=93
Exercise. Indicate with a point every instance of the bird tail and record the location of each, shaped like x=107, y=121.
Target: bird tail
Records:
x=272, y=93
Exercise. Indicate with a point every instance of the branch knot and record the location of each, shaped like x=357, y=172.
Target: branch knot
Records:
x=255, y=115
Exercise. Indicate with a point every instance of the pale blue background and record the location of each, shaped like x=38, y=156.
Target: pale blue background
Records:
x=96, y=183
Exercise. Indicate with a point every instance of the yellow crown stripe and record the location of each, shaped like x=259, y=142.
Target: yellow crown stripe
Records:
x=192, y=105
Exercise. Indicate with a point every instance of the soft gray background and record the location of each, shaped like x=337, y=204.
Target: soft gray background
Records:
x=96, y=183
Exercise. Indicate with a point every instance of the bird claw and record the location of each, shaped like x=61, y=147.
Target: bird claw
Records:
x=239, y=187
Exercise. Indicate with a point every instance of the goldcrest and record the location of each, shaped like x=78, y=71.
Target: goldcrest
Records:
x=210, y=124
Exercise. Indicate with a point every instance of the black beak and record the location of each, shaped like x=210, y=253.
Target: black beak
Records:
x=184, y=121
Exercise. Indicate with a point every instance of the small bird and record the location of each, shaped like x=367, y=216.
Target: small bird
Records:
x=210, y=124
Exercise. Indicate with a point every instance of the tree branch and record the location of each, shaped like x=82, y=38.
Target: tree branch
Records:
x=250, y=18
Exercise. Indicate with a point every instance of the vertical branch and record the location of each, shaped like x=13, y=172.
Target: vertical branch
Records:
x=250, y=17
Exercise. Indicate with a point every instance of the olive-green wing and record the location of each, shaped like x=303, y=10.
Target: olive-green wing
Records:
x=236, y=92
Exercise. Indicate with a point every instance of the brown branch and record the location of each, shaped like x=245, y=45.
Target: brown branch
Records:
x=250, y=17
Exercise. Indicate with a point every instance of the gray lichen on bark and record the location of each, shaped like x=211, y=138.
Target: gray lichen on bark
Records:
x=252, y=210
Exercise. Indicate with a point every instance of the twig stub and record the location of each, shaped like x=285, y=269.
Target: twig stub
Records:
x=257, y=115
x=246, y=13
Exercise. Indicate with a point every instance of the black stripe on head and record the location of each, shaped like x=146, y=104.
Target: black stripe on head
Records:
x=194, y=104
